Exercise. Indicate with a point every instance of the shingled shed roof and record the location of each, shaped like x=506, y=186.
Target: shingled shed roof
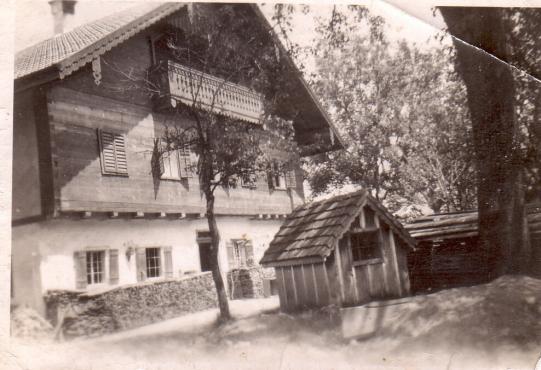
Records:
x=311, y=231
x=72, y=50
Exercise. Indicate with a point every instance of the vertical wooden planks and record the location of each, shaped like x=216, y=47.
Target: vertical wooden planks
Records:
x=289, y=288
x=299, y=286
x=393, y=281
x=314, y=279
x=346, y=270
x=281, y=288
x=402, y=262
x=339, y=273
x=377, y=283
x=309, y=285
x=322, y=284
x=395, y=261
x=361, y=275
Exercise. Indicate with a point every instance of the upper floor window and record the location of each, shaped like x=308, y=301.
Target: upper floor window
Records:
x=113, y=153
x=176, y=164
x=249, y=181
x=281, y=180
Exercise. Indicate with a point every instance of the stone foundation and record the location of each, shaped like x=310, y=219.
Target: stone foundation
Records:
x=131, y=306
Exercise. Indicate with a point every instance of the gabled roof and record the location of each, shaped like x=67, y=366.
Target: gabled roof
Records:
x=64, y=54
x=312, y=230
x=464, y=224
x=72, y=50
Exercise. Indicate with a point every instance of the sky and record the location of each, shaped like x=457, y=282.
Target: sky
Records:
x=33, y=20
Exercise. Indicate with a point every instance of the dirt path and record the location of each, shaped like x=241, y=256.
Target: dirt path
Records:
x=495, y=326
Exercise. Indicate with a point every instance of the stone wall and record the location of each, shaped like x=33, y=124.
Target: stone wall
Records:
x=130, y=306
x=248, y=282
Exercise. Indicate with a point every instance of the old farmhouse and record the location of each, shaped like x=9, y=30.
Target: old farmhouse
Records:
x=346, y=251
x=90, y=214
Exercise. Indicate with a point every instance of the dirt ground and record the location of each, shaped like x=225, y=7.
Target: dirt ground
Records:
x=492, y=326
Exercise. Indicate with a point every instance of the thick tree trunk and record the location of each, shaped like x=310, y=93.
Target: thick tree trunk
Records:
x=223, y=303
x=480, y=41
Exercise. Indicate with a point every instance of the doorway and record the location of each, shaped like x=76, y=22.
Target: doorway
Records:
x=204, y=242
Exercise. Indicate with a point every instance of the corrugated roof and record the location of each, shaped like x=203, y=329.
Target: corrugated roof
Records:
x=462, y=224
x=312, y=230
x=71, y=50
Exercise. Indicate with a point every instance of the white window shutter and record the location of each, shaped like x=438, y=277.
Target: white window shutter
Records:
x=168, y=262
x=141, y=264
x=80, y=269
x=113, y=266
x=249, y=249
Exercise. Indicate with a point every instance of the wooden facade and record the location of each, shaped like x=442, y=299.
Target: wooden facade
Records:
x=85, y=179
x=345, y=251
x=449, y=253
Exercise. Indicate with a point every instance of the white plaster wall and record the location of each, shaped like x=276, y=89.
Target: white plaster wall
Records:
x=54, y=243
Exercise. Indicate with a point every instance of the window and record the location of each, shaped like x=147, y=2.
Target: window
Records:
x=95, y=267
x=365, y=246
x=185, y=163
x=175, y=164
x=171, y=170
x=276, y=177
x=153, y=262
x=113, y=153
x=250, y=181
x=240, y=253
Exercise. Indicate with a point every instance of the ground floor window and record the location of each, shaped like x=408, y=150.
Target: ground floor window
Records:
x=95, y=261
x=240, y=253
x=153, y=262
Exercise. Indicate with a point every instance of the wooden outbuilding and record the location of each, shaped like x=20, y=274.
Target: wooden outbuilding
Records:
x=345, y=251
x=448, y=252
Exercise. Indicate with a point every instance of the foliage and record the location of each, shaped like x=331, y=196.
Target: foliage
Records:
x=498, y=57
x=224, y=41
x=401, y=112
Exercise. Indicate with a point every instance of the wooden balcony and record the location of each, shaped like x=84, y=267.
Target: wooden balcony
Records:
x=180, y=84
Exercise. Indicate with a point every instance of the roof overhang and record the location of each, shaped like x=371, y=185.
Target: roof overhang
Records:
x=314, y=131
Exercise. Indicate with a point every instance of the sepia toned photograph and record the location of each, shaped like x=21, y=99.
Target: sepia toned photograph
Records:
x=272, y=186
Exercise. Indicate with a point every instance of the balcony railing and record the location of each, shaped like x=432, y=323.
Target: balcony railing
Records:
x=189, y=86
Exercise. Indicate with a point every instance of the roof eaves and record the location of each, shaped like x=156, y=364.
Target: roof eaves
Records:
x=299, y=75
x=84, y=56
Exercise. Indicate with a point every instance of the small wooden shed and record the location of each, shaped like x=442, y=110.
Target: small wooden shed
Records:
x=346, y=251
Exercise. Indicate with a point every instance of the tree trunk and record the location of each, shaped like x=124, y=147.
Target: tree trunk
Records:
x=491, y=94
x=223, y=303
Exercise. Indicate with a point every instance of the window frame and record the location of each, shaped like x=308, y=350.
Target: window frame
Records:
x=374, y=252
x=277, y=177
x=250, y=182
x=158, y=256
x=171, y=154
x=90, y=282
